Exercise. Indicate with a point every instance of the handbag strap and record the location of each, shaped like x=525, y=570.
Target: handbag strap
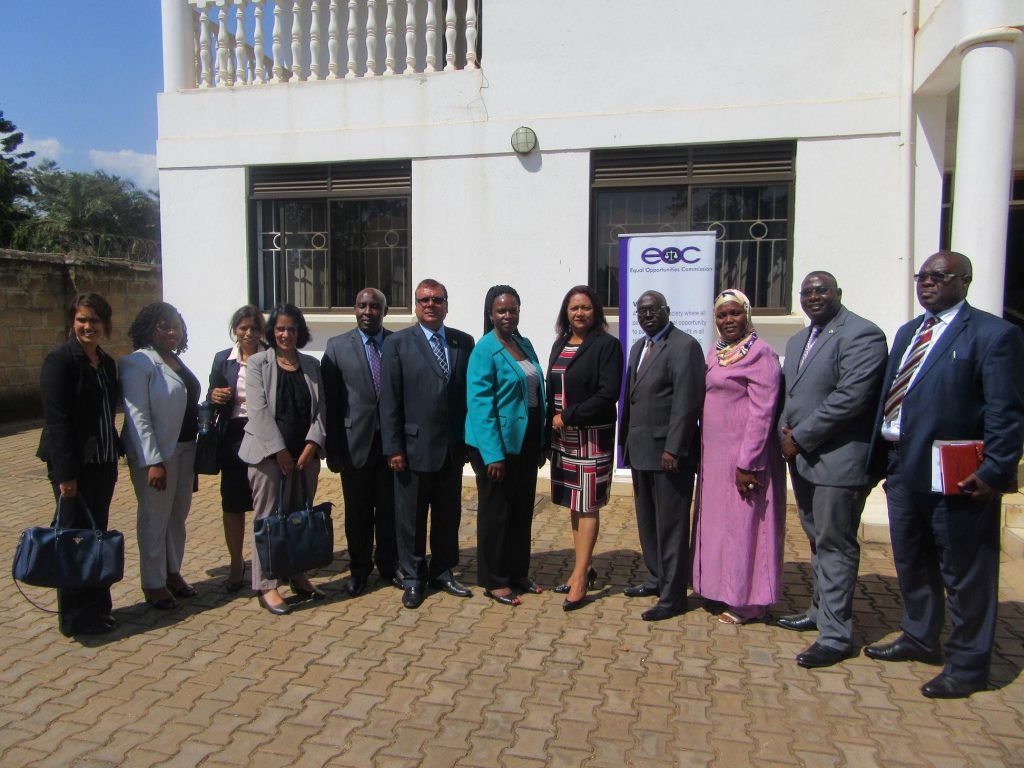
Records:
x=56, y=524
x=306, y=499
x=30, y=601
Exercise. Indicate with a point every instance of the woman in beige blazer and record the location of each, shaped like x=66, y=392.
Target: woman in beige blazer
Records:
x=285, y=435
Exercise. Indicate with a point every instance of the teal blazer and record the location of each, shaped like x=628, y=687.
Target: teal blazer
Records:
x=496, y=395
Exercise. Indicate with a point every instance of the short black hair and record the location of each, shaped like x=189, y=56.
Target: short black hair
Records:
x=493, y=293
x=562, y=322
x=141, y=331
x=97, y=304
x=248, y=312
x=289, y=310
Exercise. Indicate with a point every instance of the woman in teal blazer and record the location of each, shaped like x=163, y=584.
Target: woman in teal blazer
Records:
x=505, y=435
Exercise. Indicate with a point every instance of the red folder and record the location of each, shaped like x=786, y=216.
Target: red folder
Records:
x=958, y=459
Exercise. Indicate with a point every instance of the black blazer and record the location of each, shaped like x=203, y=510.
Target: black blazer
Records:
x=224, y=373
x=72, y=401
x=593, y=381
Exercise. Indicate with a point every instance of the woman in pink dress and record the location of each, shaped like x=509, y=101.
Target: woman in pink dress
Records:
x=740, y=507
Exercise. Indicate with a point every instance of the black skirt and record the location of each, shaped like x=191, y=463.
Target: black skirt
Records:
x=235, y=493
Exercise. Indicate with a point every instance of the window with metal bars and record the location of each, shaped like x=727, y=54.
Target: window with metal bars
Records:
x=324, y=232
x=742, y=192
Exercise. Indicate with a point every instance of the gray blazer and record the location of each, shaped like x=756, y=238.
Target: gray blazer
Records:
x=830, y=400
x=262, y=438
x=155, y=398
x=353, y=416
x=663, y=402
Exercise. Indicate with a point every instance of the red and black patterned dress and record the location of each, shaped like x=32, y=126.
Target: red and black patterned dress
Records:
x=581, y=460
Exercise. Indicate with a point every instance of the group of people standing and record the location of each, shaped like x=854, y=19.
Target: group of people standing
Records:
x=399, y=414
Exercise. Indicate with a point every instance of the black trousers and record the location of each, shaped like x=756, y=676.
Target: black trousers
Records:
x=369, y=493
x=504, y=518
x=946, y=543
x=416, y=494
x=663, y=523
x=80, y=609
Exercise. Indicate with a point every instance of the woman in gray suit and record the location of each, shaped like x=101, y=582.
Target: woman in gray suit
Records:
x=284, y=436
x=161, y=406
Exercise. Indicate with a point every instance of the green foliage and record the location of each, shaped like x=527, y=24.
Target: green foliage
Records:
x=14, y=183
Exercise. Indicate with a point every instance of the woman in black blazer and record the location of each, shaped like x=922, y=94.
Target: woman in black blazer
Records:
x=583, y=385
x=80, y=445
x=227, y=392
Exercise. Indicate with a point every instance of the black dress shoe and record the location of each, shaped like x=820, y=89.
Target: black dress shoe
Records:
x=99, y=628
x=278, y=610
x=185, y=590
x=413, y=596
x=573, y=605
x=397, y=581
x=819, y=655
x=108, y=621
x=232, y=587
x=660, y=613
x=948, y=687
x=641, y=590
x=162, y=603
x=799, y=622
x=563, y=589
x=507, y=599
x=314, y=593
x=527, y=586
x=451, y=586
x=902, y=649
x=355, y=586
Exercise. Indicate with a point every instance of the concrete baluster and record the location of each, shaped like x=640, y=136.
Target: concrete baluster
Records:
x=431, y=36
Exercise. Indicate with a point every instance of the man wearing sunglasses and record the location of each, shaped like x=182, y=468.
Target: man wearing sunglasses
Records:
x=832, y=376
x=422, y=425
x=955, y=373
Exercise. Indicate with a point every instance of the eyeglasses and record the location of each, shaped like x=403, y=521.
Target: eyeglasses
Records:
x=424, y=301
x=815, y=290
x=939, y=278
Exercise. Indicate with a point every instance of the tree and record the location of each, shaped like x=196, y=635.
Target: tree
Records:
x=95, y=213
x=14, y=182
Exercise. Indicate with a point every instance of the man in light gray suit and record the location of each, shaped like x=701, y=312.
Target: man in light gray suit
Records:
x=832, y=378
x=351, y=369
x=660, y=443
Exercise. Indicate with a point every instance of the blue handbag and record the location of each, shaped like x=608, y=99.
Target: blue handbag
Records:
x=288, y=543
x=69, y=558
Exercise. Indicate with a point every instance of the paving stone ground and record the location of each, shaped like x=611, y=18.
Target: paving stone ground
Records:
x=363, y=682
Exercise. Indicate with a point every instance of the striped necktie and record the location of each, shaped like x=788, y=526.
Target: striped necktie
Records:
x=442, y=359
x=815, y=330
x=901, y=383
x=374, y=358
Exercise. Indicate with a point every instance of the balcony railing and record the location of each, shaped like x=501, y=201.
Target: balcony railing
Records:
x=240, y=43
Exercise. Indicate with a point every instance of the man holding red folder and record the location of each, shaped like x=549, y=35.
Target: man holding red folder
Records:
x=954, y=373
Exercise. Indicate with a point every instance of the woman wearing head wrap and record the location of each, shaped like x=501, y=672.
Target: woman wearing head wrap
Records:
x=740, y=504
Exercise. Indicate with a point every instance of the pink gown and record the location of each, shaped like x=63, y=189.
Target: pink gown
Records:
x=738, y=545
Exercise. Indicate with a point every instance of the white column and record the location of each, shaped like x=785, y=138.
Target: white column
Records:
x=178, y=29
x=984, y=158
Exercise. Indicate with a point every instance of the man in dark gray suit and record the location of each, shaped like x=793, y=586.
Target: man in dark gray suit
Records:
x=351, y=371
x=832, y=378
x=660, y=443
x=422, y=427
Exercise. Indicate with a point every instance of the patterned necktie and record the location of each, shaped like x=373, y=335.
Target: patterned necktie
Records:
x=901, y=383
x=442, y=359
x=815, y=330
x=374, y=358
x=646, y=354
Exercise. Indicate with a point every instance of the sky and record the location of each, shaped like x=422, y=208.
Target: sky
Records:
x=80, y=78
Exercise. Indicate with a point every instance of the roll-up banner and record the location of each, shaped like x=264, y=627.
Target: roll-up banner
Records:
x=679, y=265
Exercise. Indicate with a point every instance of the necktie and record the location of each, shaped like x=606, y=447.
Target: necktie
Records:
x=442, y=359
x=815, y=330
x=901, y=383
x=374, y=357
x=646, y=354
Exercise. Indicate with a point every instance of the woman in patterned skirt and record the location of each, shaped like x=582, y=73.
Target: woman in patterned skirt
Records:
x=583, y=384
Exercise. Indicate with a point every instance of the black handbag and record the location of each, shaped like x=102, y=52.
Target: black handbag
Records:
x=208, y=441
x=69, y=558
x=288, y=543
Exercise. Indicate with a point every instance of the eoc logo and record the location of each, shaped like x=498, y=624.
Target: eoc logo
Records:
x=670, y=255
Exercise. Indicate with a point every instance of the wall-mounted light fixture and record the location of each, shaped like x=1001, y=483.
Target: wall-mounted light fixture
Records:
x=524, y=140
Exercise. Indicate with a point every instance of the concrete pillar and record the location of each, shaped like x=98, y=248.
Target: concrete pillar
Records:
x=176, y=20
x=984, y=158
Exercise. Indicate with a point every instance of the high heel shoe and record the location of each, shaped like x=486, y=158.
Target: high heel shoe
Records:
x=167, y=603
x=572, y=605
x=509, y=599
x=313, y=593
x=563, y=589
